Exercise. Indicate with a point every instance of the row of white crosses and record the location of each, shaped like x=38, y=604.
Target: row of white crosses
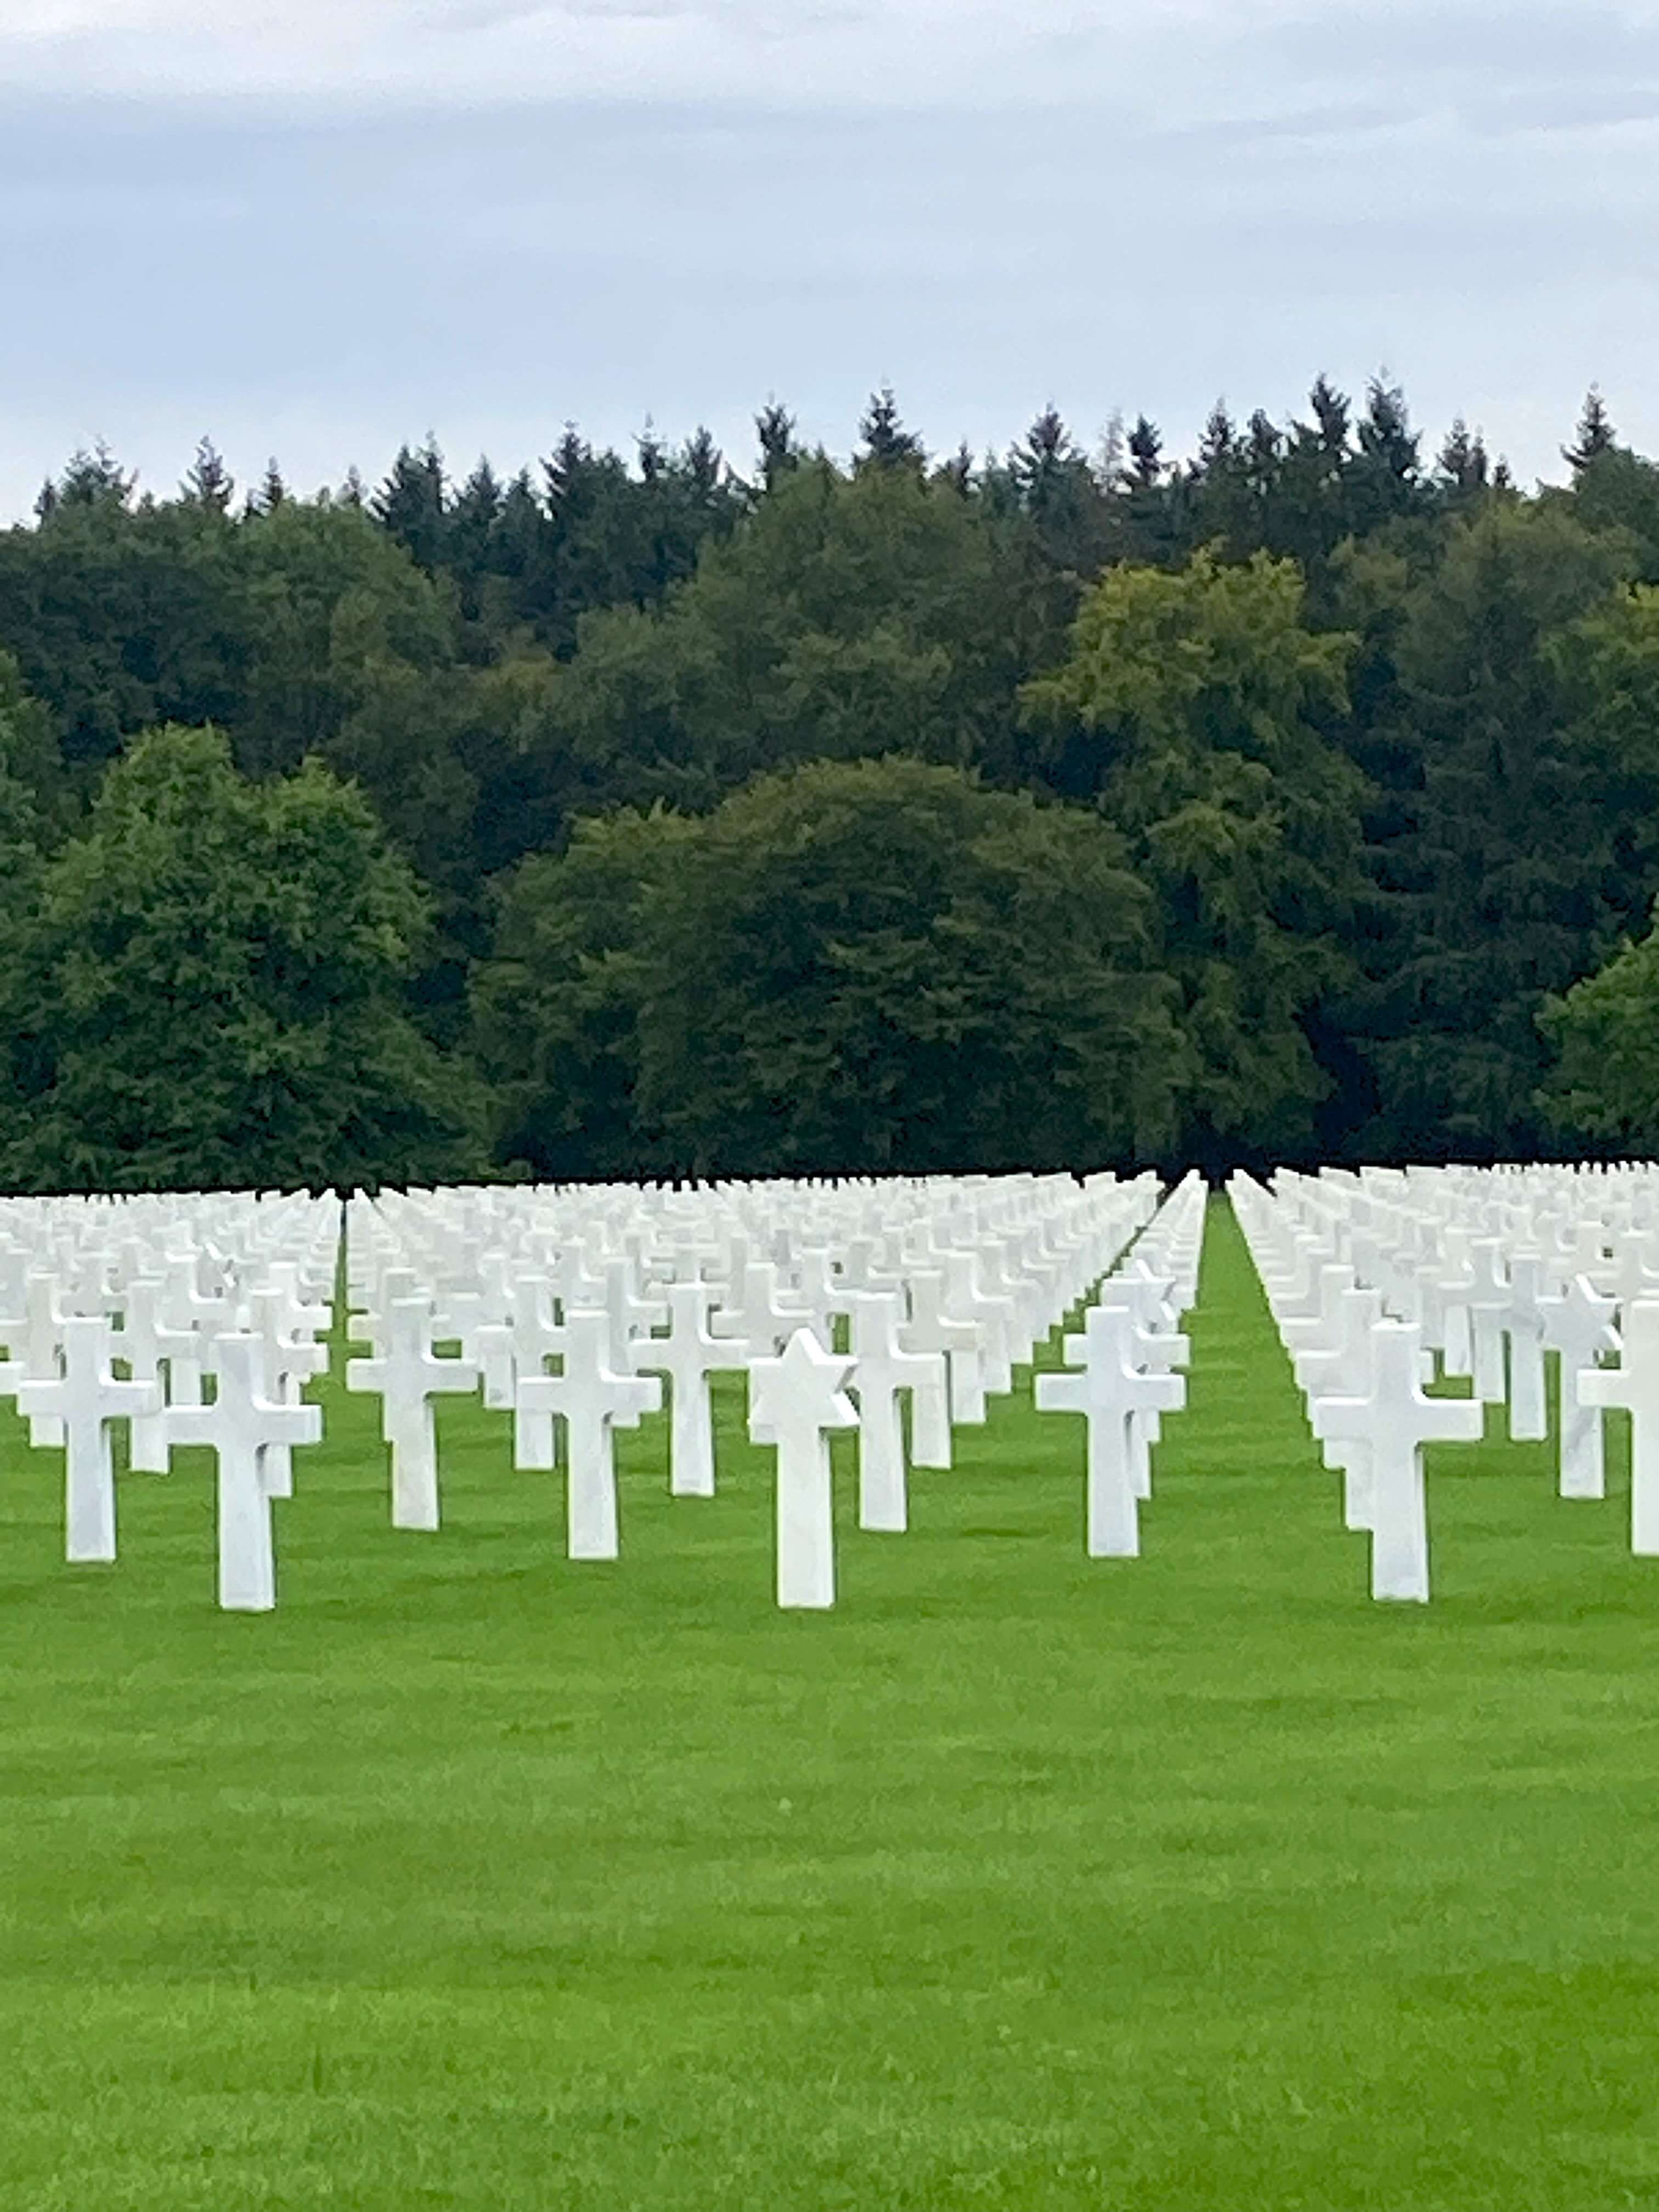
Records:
x=1120, y=1375
x=1378, y=1278
x=170, y=1290
x=846, y=1305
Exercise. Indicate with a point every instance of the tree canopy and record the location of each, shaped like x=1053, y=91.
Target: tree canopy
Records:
x=610, y=814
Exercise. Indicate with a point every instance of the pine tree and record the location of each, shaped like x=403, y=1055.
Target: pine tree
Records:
x=1386, y=476
x=1596, y=434
x=96, y=479
x=471, y=530
x=1217, y=445
x=774, y=427
x=1146, y=450
x=1463, y=470
x=272, y=491
x=886, y=444
x=1332, y=415
x=412, y=503
x=958, y=469
x=702, y=463
x=208, y=483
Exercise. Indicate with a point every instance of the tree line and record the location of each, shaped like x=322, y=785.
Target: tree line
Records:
x=1296, y=799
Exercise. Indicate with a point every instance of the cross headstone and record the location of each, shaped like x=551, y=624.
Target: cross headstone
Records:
x=1523, y=1325
x=881, y=1370
x=291, y=1361
x=148, y=1345
x=1634, y=1384
x=592, y=1400
x=755, y=1314
x=41, y=1349
x=1577, y=1324
x=794, y=1399
x=1109, y=1387
x=408, y=1375
x=240, y=1427
x=1489, y=1306
x=1395, y=1420
x=81, y=1403
x=688, y=1356
x=934, y=1407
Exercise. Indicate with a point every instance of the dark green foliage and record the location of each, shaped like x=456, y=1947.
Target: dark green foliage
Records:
x=1192, y=710
x=877, y=967
x=1519, y=857
x=1596, y=435
x=1377, y=736
x=884, y=443
x=851, y=616
x=1604, y=1034
x=209, y=992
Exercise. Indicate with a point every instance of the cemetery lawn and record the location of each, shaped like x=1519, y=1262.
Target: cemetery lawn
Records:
x=473, y=1878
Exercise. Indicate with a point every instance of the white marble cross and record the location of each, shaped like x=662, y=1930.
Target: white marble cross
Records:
x=291, y=1361
x=755, y=1314
x=631, y=1316
x=408, y=1377
x=1489, y=1308
x=688, y=1356
x=240, y=1427
x=41, y=1349
x=1577, y=1325
x=933, y=1408
x=881, y=1370
x=1523, y=1325
x=1344, y=1372
x=183, y=1306
x=794, y=1401
x=146, y=1342
x=1109, y=1388
x=523, y=1344
x=1634, y=1384
x=1394, y=1420
x=81, y=1404
x=966, y=1300
x=1150, y=1300
x=593, y=1400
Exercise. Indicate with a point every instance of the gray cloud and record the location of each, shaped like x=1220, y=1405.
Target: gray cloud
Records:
x=1144, y=215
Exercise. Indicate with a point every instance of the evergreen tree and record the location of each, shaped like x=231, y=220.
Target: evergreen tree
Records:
x=1145, y=470
x=1462, y=468
x=271, y=492
x=1497, y=891
x=1595, y=435
x=1386, y=477
x=93, y=479
x=208, y=483
x=1057, y=493
x=775, y=429
x=883, y=441
x=412, y=504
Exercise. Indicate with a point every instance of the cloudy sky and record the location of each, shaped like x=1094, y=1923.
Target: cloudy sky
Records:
x=316, y=228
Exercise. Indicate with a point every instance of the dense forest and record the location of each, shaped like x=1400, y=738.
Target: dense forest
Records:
x=1297, y=800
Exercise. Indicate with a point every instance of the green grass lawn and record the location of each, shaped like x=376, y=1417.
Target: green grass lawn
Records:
x=474, y=1878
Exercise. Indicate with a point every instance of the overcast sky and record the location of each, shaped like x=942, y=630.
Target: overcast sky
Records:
x=316, y=228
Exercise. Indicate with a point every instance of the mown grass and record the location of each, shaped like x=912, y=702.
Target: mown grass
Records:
x=476, y=1878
